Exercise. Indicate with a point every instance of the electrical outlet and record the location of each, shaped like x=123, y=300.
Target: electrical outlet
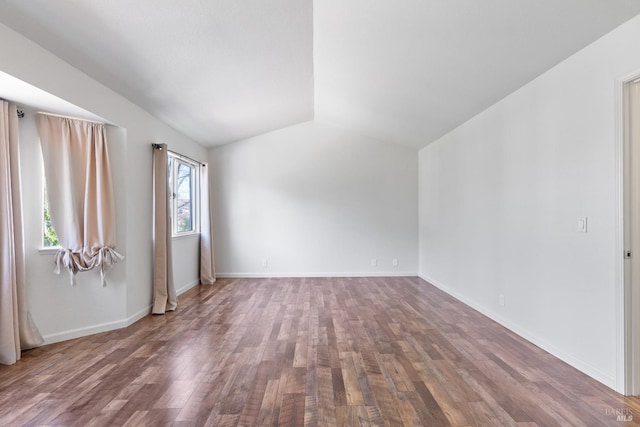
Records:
x=501, y=300
x=374, y=262
x=265, y=263
x=395, y=262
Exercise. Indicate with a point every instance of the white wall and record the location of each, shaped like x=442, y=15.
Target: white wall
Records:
x=186, y=262
x=500, y=197
x=314, y=200
x=62, y=312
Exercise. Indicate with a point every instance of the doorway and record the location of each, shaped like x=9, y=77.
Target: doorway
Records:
x=631, y=226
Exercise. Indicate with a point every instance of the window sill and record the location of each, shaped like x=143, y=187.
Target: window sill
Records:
x=185, y=236
x=49, y=251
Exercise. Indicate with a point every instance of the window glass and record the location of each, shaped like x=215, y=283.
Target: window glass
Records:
x=183, y=182
x=184, y=198
x=49, y=237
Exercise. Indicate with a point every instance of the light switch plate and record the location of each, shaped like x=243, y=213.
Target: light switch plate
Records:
x=582, y=224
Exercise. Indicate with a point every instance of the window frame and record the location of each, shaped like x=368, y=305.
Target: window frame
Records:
x=174, y=162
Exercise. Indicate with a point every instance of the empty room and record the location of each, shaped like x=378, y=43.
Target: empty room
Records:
x=320, y=213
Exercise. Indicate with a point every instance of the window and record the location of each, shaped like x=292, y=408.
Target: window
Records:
x=49, y=237
x=183, y=179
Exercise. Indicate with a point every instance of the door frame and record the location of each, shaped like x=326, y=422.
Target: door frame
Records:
x=627, y=239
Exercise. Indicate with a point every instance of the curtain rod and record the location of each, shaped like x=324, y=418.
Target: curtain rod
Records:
x=62, y=116
x=21, y=116
x=159, y=147
x=19, y=112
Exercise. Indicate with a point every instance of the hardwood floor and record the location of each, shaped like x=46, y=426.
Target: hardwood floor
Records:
x=307, y=352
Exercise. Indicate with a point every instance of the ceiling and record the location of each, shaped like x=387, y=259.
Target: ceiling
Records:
x=16, y=90
x=405, y=72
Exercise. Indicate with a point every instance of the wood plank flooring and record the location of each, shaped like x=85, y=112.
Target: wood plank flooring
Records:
x=307, y=352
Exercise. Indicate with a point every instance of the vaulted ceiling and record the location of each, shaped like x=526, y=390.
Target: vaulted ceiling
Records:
x=405, y=71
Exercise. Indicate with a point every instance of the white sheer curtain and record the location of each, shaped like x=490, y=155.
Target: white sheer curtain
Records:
x=164, y=291
x=17, y=330
x=78, y=174
x=207, y=263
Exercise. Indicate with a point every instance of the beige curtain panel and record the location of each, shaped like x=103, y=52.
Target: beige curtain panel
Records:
x=207, y=262
x=164, y=291
x=17, y=330
x=76, y=166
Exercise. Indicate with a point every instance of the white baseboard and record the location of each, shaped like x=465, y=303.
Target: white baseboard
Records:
x=307, y=274
x=108, y=326
x=186, y=287
x=576, y=362
x=139, y=315
x=83, y=332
